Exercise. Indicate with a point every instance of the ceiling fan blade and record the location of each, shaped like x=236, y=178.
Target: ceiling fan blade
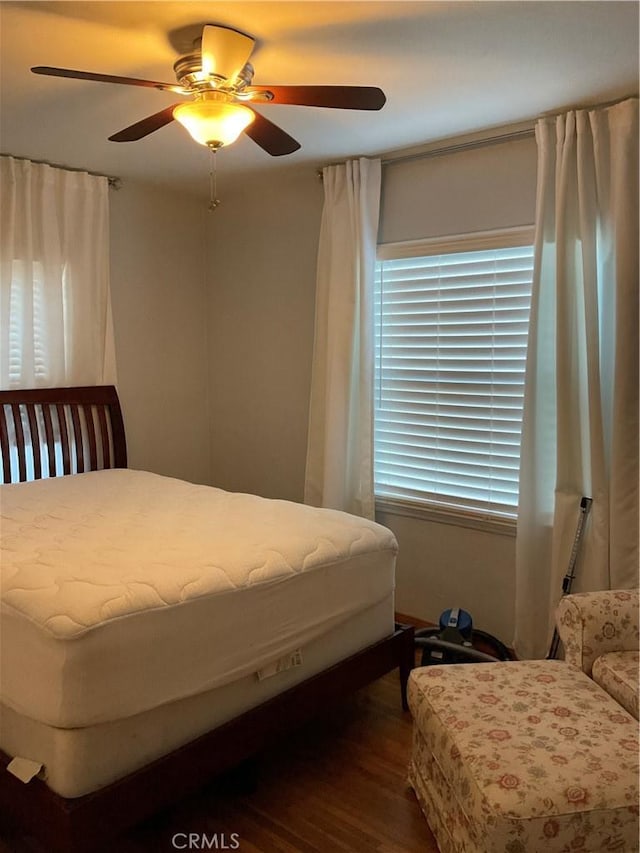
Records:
x=337, y=97
x=270, y=137
x=145, y=126
x=106, y=78
x=225, y=51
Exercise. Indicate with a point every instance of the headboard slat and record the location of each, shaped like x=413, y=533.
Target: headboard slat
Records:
x=91, y=429
x=51, y=446
x=64, y=438
x=104, y=433
x=17, y=425
x=4, y=441
x=77, y=437
x=35, y=440
x=82, y=428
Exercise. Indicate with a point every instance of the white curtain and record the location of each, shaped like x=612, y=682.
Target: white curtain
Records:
x=339, y=472
x=56, y=327
x=580, y=429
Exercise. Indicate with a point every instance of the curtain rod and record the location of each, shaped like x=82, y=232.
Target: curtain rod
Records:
x=114, y=183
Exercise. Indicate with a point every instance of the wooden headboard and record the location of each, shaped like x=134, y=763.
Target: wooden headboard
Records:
x=49, y=432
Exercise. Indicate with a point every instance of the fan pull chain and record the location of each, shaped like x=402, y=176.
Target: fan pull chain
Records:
x=214, y=201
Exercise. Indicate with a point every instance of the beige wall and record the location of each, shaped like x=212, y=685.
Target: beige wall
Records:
x=159, y=297
x=264, y=241
x=445, y=565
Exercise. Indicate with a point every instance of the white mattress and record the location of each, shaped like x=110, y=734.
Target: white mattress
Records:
x=123, y=590
x=79, y=761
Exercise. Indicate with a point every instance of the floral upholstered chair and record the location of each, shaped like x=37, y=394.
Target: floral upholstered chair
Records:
x=600, y=633
x=531, y=756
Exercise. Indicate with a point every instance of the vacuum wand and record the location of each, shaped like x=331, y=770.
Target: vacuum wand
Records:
x=585, y=506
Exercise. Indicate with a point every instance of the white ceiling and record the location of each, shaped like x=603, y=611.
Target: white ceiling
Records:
x=447, y=68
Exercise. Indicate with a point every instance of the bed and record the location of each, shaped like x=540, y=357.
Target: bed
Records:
x=168, y=630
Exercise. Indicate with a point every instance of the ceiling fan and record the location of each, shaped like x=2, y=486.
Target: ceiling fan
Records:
x=218, y=77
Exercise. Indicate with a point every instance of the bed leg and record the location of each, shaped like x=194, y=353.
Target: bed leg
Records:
x=406, y=660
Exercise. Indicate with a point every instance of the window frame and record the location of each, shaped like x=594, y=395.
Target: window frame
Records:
x=429, y=509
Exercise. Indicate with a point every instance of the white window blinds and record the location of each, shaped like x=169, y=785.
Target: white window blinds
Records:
x=451, y=338
x=27, y=308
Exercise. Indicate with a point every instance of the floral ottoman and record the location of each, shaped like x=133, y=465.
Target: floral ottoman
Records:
x=523, y=757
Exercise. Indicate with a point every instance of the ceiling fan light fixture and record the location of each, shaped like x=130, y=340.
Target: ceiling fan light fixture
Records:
x=213, y=120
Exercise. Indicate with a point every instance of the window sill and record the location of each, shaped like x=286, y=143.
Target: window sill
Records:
x=502, y=525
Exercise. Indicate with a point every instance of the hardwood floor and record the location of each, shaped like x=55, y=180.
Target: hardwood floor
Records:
x=337, y=784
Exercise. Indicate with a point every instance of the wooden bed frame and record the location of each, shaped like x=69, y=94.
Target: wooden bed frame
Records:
x=82, y=430
x=83, y=424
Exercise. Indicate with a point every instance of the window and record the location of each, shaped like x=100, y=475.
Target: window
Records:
x=28, y=309
x=451, y=336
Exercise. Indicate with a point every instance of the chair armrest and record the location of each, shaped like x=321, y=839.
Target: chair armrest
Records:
x=592, y=623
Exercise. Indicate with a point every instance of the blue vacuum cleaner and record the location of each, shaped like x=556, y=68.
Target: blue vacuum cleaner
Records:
x=455, y=639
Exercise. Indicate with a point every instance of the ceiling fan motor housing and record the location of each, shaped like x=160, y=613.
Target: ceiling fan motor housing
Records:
x=189, y=73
